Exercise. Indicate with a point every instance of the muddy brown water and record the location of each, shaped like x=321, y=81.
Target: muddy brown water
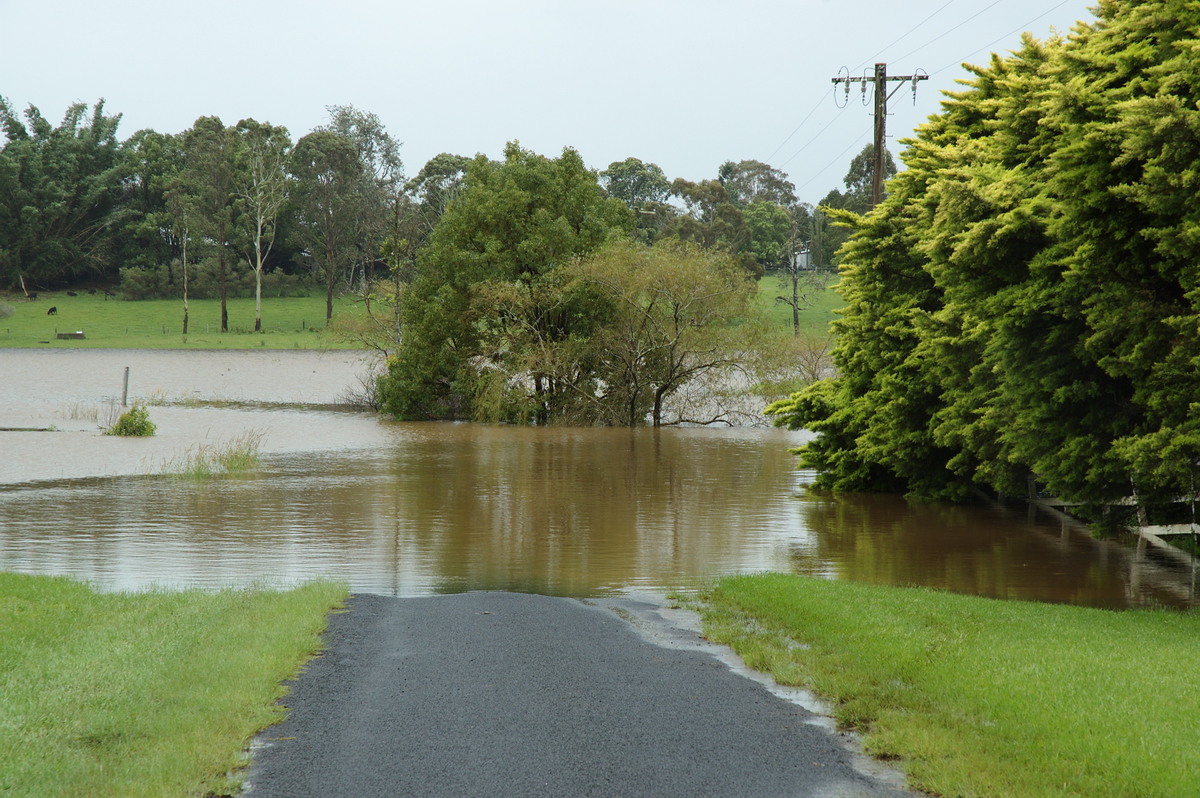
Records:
x=413, y=509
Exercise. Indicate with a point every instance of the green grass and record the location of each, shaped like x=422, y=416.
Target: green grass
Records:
x=979, y=697
x=147, y=694
x=288, y=323
x=237, y=456
x=814, y=319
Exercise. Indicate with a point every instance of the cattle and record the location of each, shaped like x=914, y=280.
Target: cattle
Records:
x=53, y=311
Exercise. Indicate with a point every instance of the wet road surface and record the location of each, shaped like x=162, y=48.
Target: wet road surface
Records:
x=513, y=694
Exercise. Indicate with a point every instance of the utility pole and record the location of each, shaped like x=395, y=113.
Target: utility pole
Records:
x=880, y=81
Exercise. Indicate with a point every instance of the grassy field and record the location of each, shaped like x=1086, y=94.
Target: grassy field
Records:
x=979, y=697
x=814, y=319
x=288, y=323
x=147, y=694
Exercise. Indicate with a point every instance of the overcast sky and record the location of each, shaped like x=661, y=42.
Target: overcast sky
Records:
x=686, y=84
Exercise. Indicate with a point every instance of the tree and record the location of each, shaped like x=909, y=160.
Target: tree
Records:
x=262, y=190
x=151, y=164
x=60, y=197
x=859, y=180
x=712, y=220
x=676, y=309
x=856, y=199
x=1024, y=300
x=329, y=180
x=382, y=174
x=748, y=182
x=635, y=183
x=209, y=184
x=773, y=234
x=514, y=222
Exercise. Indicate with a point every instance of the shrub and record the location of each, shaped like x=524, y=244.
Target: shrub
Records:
x=133, y=422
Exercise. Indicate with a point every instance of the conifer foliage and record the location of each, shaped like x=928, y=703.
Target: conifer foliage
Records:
x=1026, y=301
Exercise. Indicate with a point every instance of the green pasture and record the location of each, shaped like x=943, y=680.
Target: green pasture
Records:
x=113, y=323
x=814, y=318
x=288, y=322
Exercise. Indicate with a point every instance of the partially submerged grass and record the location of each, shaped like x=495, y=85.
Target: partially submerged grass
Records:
x=148, y=694
x=979, y=697
x=236, y=456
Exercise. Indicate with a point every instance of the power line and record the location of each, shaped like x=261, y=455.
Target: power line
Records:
x=1019, y=29
x=802, y=121
x=833, y=162
x=956, y=27
x=905, y=36
x=818, y=105
x=811, y=141
x=880, y=80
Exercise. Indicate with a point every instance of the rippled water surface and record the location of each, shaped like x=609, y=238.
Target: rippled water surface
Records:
x=409, y=509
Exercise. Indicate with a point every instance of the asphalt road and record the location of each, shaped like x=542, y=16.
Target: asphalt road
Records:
x=504, y=694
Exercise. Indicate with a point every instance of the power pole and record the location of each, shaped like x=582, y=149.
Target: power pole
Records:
x=880, y=81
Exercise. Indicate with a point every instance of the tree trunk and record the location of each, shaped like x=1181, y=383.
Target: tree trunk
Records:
x=258, y=273
x=796, y=301
x=330, y=273
x=185, y=285
x=223, y=290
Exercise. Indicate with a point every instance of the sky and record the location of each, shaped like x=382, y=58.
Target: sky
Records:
x=685, y=84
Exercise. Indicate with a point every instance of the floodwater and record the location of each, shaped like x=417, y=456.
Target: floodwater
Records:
x=412, y=509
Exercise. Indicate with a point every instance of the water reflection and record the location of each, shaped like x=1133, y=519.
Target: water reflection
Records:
x=444, y=507
x=987, y=551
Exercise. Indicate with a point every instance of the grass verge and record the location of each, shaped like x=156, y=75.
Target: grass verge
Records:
x=146, y=694
x=980, y=697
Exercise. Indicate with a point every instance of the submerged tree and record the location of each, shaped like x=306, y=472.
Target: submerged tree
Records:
x=514, y=222
x=679, y=313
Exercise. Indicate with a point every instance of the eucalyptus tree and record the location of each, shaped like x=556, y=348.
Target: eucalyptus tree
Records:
x=711, y=219
x=429, y=194
x=381, y=192
x=60, y=194
x=644, y=188
x=856, y=198
x=748, y=182
x=328, y=188
x=208, y=187
x=261, y=185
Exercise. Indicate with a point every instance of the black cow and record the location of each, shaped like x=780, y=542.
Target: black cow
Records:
x=52, y=311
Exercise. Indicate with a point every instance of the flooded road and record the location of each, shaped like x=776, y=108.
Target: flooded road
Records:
x=414, y=509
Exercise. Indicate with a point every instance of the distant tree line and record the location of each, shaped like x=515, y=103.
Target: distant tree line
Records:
x=1024, y=303
x=528, y=288
x=232, y=208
